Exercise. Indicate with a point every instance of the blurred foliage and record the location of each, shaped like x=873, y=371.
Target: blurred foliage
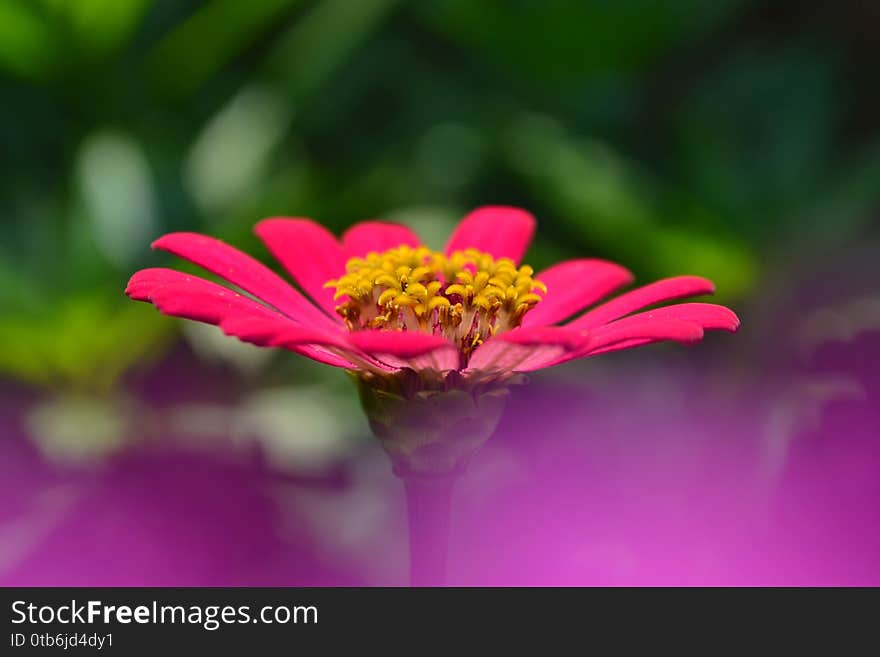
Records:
x=721, y=138
x=83, y=341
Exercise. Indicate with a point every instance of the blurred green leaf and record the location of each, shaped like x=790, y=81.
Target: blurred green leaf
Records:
x=604, y=201
x=27, y=42
x=201, y=45
x=41, y=37
x=756, y=137
x=846, y=201
x=319, y=42
x=85, y=342
x=99, y=26
x=562, y=40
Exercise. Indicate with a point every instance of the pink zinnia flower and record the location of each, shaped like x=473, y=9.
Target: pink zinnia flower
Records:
x=432, y=338
x=378, y=302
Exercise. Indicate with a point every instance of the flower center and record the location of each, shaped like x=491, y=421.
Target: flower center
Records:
x=466, y=296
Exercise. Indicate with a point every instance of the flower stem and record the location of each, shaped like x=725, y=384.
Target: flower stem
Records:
x=428, y=501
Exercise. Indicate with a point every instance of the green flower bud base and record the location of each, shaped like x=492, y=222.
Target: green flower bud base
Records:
x=431, y=427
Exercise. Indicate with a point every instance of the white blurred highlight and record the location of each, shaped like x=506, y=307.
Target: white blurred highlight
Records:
x=117, y=189
x=230, y=153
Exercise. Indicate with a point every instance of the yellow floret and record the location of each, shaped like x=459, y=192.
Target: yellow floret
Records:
x=466, y=296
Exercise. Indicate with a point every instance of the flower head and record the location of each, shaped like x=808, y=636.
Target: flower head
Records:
x=379, y=303
x=466, y=296
x=433, y=338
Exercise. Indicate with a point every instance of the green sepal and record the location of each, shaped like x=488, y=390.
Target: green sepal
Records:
x=431, y=426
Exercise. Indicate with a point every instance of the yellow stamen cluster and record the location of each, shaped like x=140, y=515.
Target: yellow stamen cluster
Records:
x=466, y=296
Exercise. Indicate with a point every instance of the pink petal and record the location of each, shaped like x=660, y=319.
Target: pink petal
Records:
x=277, y=331
x=707, y=315
x=498, y=230
x=664, y=290
x=310, y=254
x=572, y=286
x=190, y=297
x=641, y=328
x=146, y=280
x=329, y=347
x=181, y=295
x=281, y=332
x=526, y=349
x=379, y=236
x=243, y=271
x=407, y=349
x=620, y=346
x=634, y=332
x=544, y=335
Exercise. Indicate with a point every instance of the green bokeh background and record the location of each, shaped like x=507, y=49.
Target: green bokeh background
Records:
x=734, y=139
